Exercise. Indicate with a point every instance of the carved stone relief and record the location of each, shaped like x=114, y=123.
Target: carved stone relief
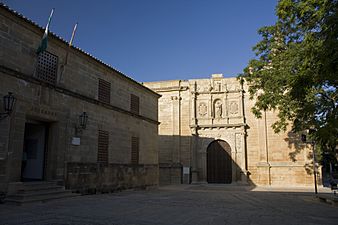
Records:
x=175, y=98
x=238, y=142
x=202, y=109
x=218, y=86
x=205, y=87
x=233, y=108
x=232, y=87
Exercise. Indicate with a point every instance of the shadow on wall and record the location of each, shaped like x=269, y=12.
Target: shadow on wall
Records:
x=294, y=141
x=192, y=159
x=91, y=178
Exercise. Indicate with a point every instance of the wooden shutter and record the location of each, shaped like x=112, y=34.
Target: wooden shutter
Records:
x=134, y=150
x=102, y=149
x=46, y=69
x=134, y=104
x=104, y=91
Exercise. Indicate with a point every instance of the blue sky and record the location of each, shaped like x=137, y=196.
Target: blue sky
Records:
x=151, y=40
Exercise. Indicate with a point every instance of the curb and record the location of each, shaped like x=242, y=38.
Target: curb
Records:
x=332, y=200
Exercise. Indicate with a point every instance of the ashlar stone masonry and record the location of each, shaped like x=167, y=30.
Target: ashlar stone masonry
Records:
x=198, y=115
x=43, y=139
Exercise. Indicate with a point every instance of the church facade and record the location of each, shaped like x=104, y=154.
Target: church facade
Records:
x=208, y=134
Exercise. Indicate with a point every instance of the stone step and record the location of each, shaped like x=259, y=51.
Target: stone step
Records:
x=14, y=187
x=27, y=195
x=37, y=183
x=40, y=191
x=39, y=188
x=40, y=198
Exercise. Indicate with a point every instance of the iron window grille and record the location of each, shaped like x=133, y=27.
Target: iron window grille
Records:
x=47, y=67
x=102, y=149
x=135, y=150
x=134, y=104
x=104, y=91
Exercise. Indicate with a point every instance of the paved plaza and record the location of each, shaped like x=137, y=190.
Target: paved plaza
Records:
x=184, y=204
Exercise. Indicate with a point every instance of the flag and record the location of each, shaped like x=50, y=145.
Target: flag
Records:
x=43, y=44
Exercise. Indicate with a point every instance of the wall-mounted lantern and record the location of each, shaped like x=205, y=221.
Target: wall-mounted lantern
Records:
x=82, y=124
x=8, y=105
x=83, y=118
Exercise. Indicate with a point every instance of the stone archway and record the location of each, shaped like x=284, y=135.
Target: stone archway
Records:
x=219, y=162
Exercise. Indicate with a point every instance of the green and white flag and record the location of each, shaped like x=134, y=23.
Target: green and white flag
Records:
x=44, y=41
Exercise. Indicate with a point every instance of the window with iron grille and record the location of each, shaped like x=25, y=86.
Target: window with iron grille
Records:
x=102, y=149
x=134, y=104
x=46, y=69
x=104, y=91
x=134, y=150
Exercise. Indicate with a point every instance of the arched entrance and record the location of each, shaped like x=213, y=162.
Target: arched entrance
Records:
x=219, y=162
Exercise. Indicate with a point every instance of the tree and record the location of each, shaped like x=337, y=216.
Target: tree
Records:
x=296, y=69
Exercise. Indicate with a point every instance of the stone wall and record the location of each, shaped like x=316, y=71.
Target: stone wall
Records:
x=196, y=112
x=93, y=177
x=59, y=106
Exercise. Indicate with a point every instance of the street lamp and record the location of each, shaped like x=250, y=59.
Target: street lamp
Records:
x=313, y=143
x=8, y=105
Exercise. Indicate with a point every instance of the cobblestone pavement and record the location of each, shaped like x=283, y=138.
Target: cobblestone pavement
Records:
x=185, y=204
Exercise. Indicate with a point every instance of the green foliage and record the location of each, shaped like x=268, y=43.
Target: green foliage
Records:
x=296, y=69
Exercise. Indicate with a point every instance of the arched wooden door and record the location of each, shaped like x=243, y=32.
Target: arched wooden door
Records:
x=219, y=162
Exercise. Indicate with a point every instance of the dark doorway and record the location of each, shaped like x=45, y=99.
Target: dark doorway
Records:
x=33, y=156
x=219, y=162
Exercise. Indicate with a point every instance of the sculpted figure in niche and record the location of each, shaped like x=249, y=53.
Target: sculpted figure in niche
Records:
x=218, y=109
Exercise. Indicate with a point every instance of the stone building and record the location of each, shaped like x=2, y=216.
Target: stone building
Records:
x=81, y=122
x=208, y=134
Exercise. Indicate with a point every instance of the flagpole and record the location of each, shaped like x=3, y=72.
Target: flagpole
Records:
x=67, y=52
x=70, y=42
x=73, y=34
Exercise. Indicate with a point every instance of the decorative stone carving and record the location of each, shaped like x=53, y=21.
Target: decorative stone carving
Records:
x=233, y=108
x=175, y=98
x=206, y=88
x=218, y=86
x=202, y=109
x=232, y=87
x=218, y=108
x=210, y=88
x=238, y=142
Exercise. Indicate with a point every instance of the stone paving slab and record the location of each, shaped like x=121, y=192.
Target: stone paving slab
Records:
x=188, y=204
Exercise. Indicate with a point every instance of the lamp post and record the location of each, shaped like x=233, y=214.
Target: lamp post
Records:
x=314, y=166
x=8, y=105
x=313, y=143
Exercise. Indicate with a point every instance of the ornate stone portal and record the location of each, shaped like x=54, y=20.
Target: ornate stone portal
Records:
x=223, y=121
